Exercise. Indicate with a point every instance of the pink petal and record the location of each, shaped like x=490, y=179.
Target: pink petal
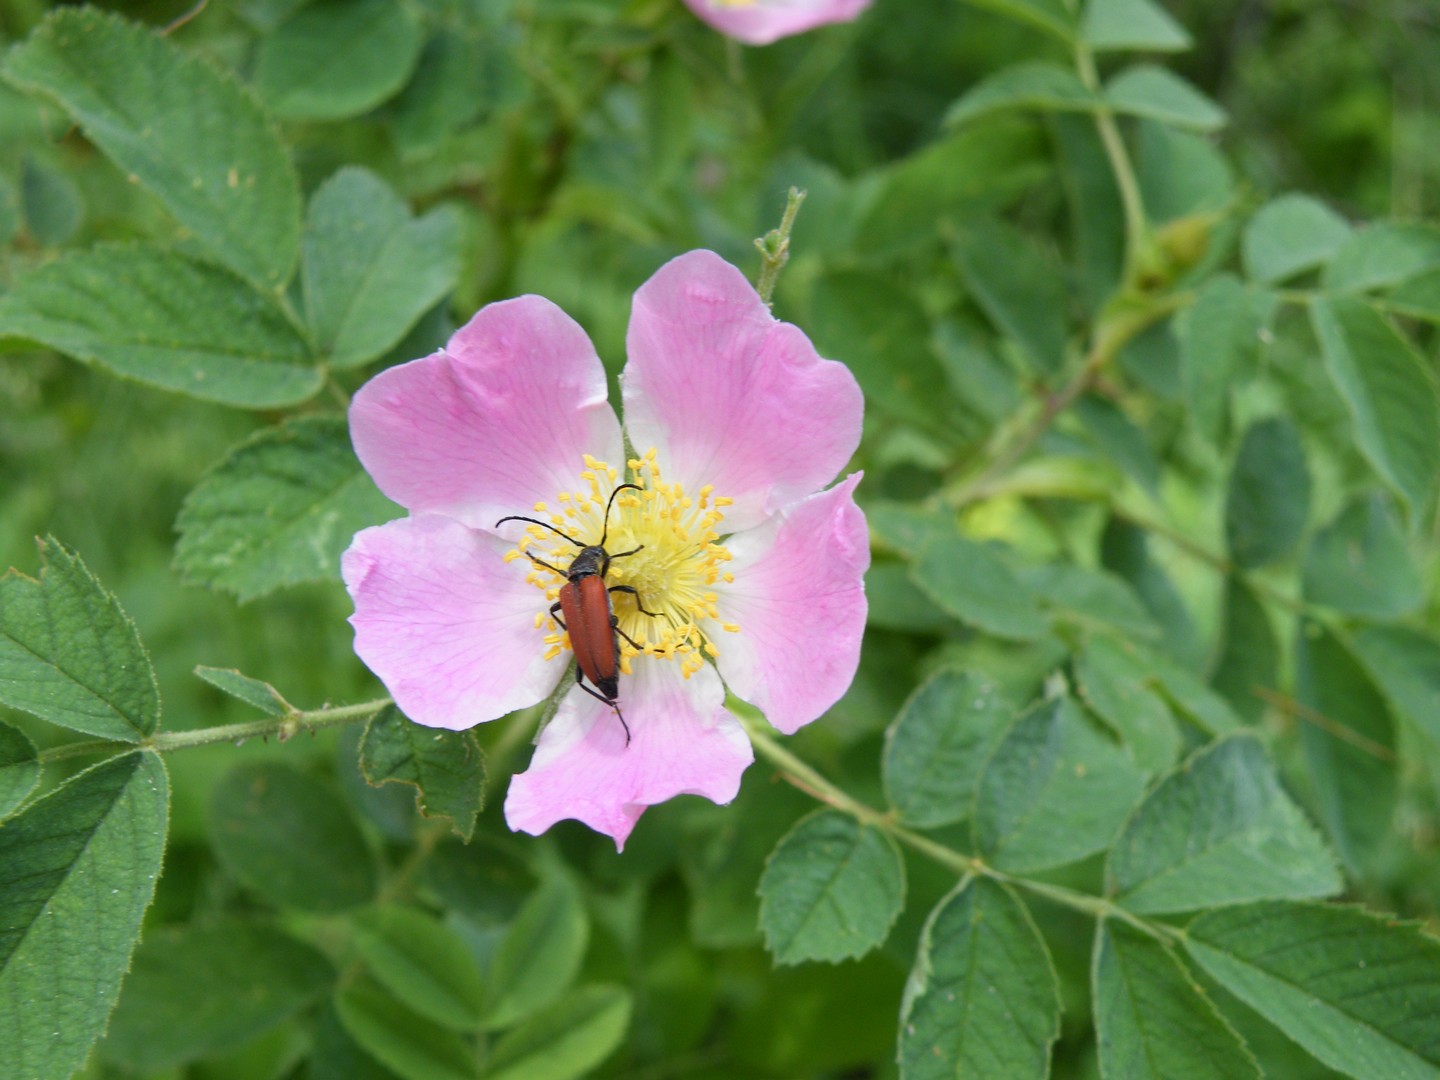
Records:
x=729, y=395
x=799, y=598
x=763, y=21
x=445, y=623
x=498, y=420
x=683, y=742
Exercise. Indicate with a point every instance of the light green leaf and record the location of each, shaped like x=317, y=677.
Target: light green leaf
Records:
x=1090, y=598
x=937, y=745
x=1219, y=830
x=369, y=269
x=1182, y=173
x=70, y=655
x=446, y=768
x=1290, y=235
x=565, y=1041
x=1131, y=24
x=1189, y=696
x=1115, y=680
x=19, y=768
x=1016, y=286
x=77, y=871
x=1361, y=564
x=338, y=58
x=260, y=695
x=1154, y=92
x=199, y=989
x=401, y=1039
x=982, y=999
x=1153, y=1021
x=1268, y=500
x=1382, y=256
x=1037, y=85
x=1054, y=791
x=831, y=890
x=1359, y=991
x=278, y=510
x=188, y=134
x=1249, y=652
x=166, y=320
x=1389, y=392
x=1218, y=337
x=290, y=838
x=1405, y=665
x=423, y=963
x=971, y=582
x=540, y=955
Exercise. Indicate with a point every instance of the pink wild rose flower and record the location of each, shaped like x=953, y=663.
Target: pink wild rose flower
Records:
x=759, y=22
x=752, y=568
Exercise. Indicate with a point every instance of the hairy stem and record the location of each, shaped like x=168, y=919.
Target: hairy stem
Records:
x=774, y=246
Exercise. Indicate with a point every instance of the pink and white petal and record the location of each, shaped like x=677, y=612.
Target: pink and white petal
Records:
x=731, y=396
x=499, y=419
x=445, y=622
x=799, y=599
x=762, y=21
x=682, y=742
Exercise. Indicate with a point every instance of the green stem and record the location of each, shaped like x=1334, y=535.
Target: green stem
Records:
x=1137, y=227
x=774, y=246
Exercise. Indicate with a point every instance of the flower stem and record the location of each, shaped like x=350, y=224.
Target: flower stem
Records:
x=774, y=246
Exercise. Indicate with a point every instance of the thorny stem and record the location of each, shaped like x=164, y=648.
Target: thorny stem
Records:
x=774, y=246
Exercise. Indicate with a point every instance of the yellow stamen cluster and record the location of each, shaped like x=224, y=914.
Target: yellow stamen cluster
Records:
x=678, y=561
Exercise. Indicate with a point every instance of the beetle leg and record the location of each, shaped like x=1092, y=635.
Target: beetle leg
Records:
x=555, y=614
x=615, y=625
x=631, y=590
x=580, y=682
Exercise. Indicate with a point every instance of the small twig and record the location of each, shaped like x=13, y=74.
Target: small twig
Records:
x=1288, y=705
x=774, y=246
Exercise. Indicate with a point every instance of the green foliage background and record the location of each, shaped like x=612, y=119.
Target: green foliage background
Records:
x=1144, y=745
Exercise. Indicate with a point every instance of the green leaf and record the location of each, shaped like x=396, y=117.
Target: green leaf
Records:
x=1181, y=173
x=1096, y=215
x=937, y=745
x=449, y=90
x=77, y=871
x=1053, y=16
x=423, y=963
x=1020, y=290
x=1054, y=791
x=1359, y=991
x=334, y=1055
x=70, y=655
x=539, y=956
x=290, y=838
x=908, y=528
x=19, y=768
x=1034, y=85
x=1115, y=680
x=1382, y=256
x=896, y=603
x=1090, y=598
x=1290, y=235
x=278, y=510
x=1153, y=1021
x=369, y=269
x=260, y=695
x=1268, y=500
x=401, y=1039
x=166, y=320
x=1389, y=392
x=1405, y=665
x=982, y=999
x=9, y=210
x=1352, y=756
x=1153, y=92
x=178, y=127
x=1218, y=336
x=338, y=58
x=196, y=990
x=1361, y=564
x=446, y=768
x=53, y=205
x=1131, y=24
x=1219, y=830
x=1249, y=652
x=565, y=1041
x=831, y=890
x=1125, y=552
x=971, y=582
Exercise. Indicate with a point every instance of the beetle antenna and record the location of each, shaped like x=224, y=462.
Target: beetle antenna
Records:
x=606, y=532
x=543, y=525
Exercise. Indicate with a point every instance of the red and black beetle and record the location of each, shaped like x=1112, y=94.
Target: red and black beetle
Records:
x=588, y=618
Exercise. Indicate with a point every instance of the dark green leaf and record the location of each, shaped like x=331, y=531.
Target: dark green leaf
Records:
x=896, y=602
x=1290, y=235
x=199, y=989
x=188, y=134
x=77, y=871
x=1118, y=438
x=831, y=890
x=908, y=528
x=446, y=768
x=1384, y=255
x=1054, y=791
x=1359, y=991
x=1181, y=173
x=982, y=999
x=540, y=955
x=1053, y=16
x=1219, y=830
x=1131, y=24
x=1091, y=598
x=971, y=582
x=260, y=695
x=1116, y=682
x=278, y=510
x=1361, y=564
x=1125, y=552
x=69, y=655
x=1154, y=92
x=52, y=203
x=1268, y=500
x=19, y=768
x=448, y=91
x=1217, y=340
x=937, y=745
x=9, y=210
x=1190, y=697
x=338, y=58
x=1405, y=665
x=290, y=838
x=1249, y=652
x=166, y=320
x=565, y=1041
x=334, y=1055
x=424, y=964
x=1033, y=85
x=1016, y=286
x=1096, y=214
x=402, y=1040
x=1152, y=1020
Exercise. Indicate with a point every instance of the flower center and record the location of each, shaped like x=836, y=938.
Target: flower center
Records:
x=675, y=559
